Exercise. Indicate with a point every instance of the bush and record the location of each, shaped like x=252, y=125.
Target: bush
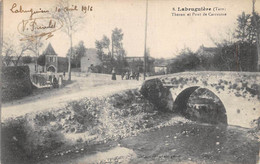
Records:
x=16, y=82
x=25, y=140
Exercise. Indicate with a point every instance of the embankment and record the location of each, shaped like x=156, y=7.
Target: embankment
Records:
x=89, y=121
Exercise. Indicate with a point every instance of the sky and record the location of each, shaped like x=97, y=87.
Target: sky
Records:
x=167, y=34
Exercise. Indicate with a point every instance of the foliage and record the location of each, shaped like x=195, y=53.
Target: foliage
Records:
x=187, y=60
x=247, y=26
x=78, y=52
x=240, y=54
x=41, y=60
x=114, y=58
x=27, y=59
x=236, y=57
x=15, y=82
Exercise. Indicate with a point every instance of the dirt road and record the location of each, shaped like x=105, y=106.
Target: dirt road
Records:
x=51, y=99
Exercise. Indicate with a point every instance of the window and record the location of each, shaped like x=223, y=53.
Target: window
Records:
x=52, y=59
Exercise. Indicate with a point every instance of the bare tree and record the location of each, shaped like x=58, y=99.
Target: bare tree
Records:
x=13, y=51
x=19, y=52
x=36, y=44
x=71, y=20
x=8, y=51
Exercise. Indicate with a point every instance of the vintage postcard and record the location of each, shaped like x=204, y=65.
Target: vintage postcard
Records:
x=130, y=81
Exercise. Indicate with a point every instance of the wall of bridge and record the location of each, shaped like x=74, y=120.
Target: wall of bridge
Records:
x=238, y=91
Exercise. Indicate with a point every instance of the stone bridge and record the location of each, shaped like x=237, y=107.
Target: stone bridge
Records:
x=238, y=92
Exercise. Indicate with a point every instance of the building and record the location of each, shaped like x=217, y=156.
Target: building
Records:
x=136, y=64
x=207, y=51
x=160, y=69
x=51, y=59
x=53, y=63
x=90, y=59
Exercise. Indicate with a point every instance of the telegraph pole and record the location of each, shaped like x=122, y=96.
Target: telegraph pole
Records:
x=145, y=38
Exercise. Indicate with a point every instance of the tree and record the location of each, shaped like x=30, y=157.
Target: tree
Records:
x=247, y=27
x=101, y=45
x=77, y=53
x=41, y=60
x=242, y=30
x=114, y=58
x=185, y=61
x=24, y=46
x=27, y=59
x=13, y=51
x=117, y=45
x=36, y=44
x=8, y=51
x=71, y=21
x=240, y=52
x=256, y=25
x=106, y=43
x=99, y=48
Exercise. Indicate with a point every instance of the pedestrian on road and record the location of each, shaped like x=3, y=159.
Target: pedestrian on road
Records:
x=113, y=74
x=123, y=75
x=127, y=75
x=137, y=76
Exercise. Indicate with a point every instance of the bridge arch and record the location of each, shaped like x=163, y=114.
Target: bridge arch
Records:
x=206, y=106
x=237, y=91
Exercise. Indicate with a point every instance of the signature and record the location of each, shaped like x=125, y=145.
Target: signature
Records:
x=39, y=27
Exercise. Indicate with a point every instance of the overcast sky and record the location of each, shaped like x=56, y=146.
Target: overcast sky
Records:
x=166, y=34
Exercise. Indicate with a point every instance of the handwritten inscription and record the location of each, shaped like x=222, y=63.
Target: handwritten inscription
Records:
x=39, y=27
x=20, y=9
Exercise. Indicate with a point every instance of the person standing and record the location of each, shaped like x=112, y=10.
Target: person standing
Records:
x=113, y=74
x=123, y=75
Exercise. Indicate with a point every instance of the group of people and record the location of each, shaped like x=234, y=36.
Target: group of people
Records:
x=130, y=75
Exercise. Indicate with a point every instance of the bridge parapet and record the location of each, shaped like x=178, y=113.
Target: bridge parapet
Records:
x=238, y=91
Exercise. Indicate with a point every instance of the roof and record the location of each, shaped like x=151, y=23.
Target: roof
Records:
x=49, y=50
x=208, y=51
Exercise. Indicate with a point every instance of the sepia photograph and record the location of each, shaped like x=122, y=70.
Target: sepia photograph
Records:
x=130, y=81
